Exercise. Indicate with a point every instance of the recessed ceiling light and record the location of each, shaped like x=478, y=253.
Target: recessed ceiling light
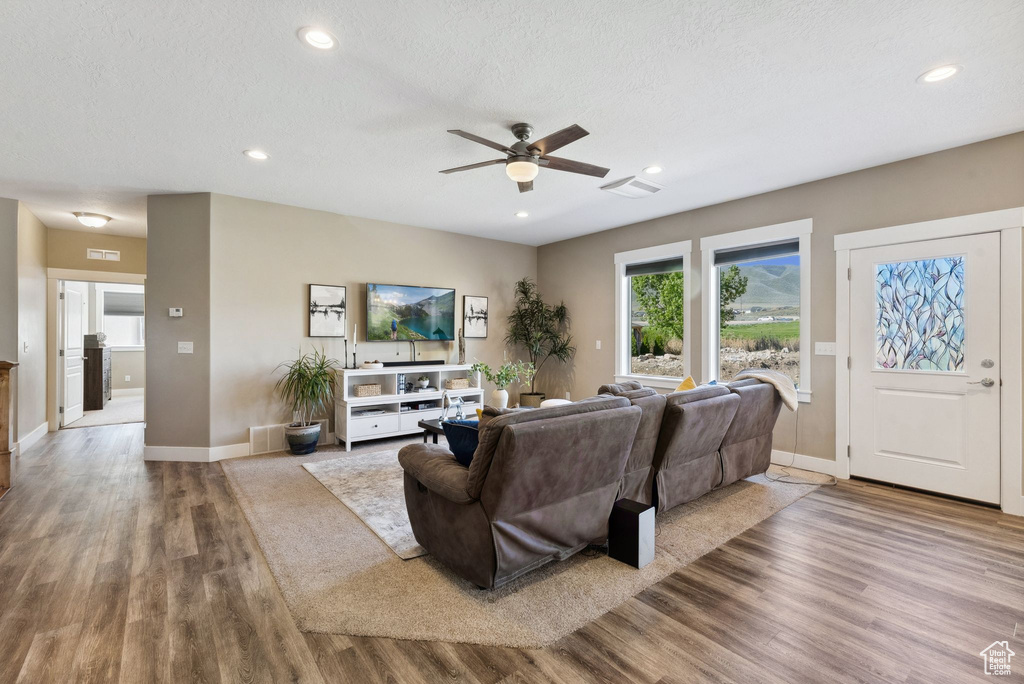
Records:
x=522, y=214
x=92, y=220
x=939, y=73
x=652, y=169
x=256, y=154
x=318, y=38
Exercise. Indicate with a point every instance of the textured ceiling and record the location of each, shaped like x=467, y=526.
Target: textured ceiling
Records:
x=104, y=102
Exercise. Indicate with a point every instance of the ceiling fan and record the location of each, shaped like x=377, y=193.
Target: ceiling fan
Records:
x=523, y=160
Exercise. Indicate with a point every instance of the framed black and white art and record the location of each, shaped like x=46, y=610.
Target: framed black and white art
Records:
x=474, y=316
x=327, y=311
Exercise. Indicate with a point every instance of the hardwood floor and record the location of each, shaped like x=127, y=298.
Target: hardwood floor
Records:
x=114, y=569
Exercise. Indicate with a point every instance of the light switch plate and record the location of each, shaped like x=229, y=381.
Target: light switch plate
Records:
x=184, y=347
x=599, y=344
x=174, y=312
x=825, y=348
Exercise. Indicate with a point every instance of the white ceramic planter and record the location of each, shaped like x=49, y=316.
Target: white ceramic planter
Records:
x=499, y=398
x=477, y=380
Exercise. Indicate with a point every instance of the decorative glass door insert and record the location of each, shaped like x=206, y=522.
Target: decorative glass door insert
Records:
x=919, y=309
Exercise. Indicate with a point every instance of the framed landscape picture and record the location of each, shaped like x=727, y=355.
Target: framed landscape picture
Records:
x=474, y=316
x=327, y=311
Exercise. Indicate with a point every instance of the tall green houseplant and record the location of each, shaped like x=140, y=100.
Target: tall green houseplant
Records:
x=541, y=329
x=307, y=387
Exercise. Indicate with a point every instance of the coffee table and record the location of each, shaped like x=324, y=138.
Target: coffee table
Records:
x=431, y=427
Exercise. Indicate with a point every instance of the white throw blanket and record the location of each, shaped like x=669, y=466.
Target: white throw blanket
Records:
x=783, y=385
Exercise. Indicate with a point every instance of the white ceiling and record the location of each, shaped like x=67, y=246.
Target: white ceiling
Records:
x=103, y=101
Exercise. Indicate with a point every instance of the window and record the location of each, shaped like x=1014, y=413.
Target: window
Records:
x=652, y=315
x=123, y=318
x=757, y=302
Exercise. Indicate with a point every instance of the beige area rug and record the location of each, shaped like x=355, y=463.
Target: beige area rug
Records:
x=372, y=487
x=125, y=409
x=338, y=577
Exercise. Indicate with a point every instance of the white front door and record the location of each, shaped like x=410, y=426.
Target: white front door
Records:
x=924, y=374
x=73, y=343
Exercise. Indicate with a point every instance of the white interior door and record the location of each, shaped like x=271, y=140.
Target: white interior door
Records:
x=924, y=375
x=73, y=343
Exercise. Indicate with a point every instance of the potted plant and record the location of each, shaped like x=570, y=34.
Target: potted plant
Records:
x=507, y=373
x=542, y=329
x=308, y=388
x=423, y=381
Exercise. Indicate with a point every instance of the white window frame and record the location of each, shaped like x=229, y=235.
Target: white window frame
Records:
x=801, y=230
x=672, y=250
x=101, y=290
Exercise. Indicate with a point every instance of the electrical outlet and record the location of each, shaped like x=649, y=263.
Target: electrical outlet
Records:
x=127, y=378
x=184, y=347
x=825, y=348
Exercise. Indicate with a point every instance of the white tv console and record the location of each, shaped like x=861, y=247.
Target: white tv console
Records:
x=394, y=421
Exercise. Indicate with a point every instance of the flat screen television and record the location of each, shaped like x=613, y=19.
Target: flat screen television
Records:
x=406, y=312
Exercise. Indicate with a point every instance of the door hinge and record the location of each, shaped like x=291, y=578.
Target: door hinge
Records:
x=849, y=363
x=61, y=410
x=849, y=273
x=848, y=454
x=62, y=295
x=61, y=352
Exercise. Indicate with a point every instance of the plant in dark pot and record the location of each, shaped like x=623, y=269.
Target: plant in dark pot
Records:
x=308, y=388
x=541, y=329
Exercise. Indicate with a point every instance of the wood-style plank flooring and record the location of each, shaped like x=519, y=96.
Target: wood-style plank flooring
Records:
x=114, y=569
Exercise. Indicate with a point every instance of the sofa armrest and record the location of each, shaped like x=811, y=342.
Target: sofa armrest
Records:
x=435, y=468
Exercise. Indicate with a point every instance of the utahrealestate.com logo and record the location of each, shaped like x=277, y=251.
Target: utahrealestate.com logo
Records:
x=997, y=658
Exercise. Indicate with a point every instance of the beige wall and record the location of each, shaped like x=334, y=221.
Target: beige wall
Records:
x=131, y=363
x=178, y=275
x=31, y=322
x=66, y=249
x=981, y=177
x=262, y=258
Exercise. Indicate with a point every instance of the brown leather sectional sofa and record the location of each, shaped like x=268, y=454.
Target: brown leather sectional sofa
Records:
x=543, y=482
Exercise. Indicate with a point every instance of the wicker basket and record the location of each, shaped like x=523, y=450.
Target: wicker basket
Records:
x=371, y=390
x=456, y=383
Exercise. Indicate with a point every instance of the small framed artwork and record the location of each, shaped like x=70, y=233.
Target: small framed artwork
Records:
x=474, y=316
x=327, y=309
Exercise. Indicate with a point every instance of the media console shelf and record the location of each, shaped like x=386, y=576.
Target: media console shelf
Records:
x=383, y=415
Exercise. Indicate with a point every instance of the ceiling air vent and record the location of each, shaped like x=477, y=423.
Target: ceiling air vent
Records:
x=633, y=187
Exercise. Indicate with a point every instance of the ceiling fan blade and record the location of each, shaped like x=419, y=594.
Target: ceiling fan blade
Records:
x=483, y=141
x=478, y=165
x=558, y=139
x=559, y=164
x=525, y=187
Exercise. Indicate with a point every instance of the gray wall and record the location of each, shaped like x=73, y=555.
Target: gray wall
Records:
x=981, y=177
x=178, y=265
x=260, y=259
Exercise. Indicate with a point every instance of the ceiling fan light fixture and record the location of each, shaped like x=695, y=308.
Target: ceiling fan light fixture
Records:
x=91, y=220
x=521, y=170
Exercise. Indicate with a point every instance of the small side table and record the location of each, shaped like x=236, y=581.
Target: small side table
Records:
x=431, y=427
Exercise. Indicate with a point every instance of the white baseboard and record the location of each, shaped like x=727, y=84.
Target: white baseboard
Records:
x=127, y=392
x=804, y=462
x=195, y=454
x=31, y=438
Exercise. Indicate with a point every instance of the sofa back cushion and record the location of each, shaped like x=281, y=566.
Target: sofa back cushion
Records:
x=491, y=431
x=694, y=426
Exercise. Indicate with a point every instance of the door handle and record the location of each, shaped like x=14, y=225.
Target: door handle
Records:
x=984, y=382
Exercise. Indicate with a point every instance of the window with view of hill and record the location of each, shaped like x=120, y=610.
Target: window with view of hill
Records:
x=756, y=303
x=760, y=320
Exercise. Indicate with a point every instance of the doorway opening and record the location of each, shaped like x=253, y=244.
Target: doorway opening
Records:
x=101, y=353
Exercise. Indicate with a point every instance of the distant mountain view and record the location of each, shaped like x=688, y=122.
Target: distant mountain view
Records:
x=770, y=287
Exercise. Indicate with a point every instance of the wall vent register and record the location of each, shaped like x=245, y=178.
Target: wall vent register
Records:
x=103, y=254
